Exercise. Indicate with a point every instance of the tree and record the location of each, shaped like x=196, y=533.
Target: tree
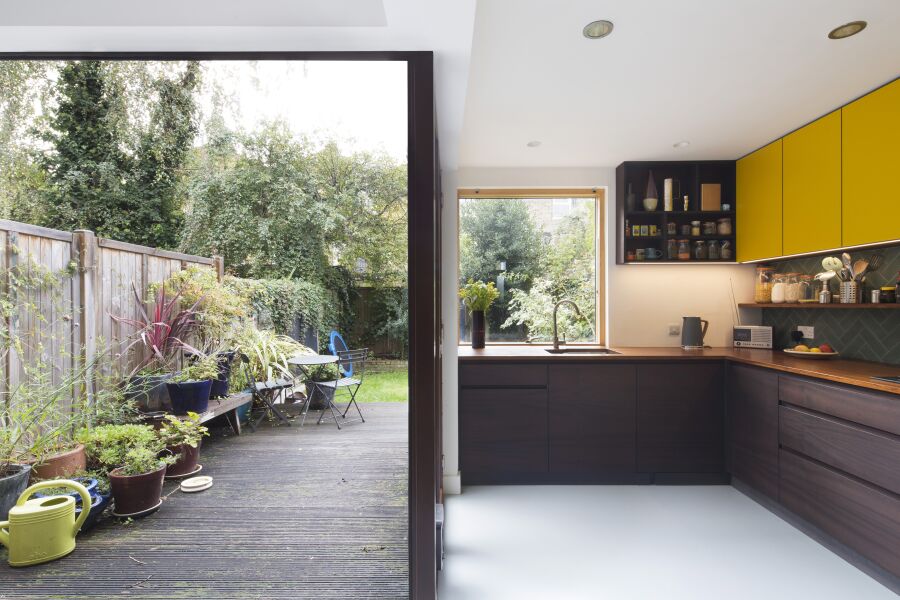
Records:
x=87, y=166
x=492, y=231
x=567, y=270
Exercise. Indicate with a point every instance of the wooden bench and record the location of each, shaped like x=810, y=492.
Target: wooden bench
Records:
x=227, y=406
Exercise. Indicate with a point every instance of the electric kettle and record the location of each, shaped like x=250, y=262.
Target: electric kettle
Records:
x=693, y=330
x=43, y=529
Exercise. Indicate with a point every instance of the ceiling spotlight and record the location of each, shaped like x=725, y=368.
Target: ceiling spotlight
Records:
x=533, y=143
x=681, y=144
x=597, y=29
x=846, y=30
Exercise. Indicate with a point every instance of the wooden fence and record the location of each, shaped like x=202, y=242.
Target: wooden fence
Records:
x=72, y=319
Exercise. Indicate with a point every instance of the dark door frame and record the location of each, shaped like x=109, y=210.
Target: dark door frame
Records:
x=424, y=280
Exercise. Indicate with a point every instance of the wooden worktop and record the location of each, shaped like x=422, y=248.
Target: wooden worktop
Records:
x=851, y=372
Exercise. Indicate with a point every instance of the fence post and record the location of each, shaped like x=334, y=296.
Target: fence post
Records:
x=12, y=325
x=85, y=243
x=219, y=266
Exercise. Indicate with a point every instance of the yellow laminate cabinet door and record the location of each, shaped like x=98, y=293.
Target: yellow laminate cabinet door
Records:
x=871, y=166
x=812, y=186
x=759, y=204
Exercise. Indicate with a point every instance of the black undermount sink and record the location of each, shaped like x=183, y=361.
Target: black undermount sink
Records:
x=580, y=350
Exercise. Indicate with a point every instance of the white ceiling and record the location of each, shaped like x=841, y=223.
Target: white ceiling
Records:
x=728, y=76
x=296, y=13
x=442, y=26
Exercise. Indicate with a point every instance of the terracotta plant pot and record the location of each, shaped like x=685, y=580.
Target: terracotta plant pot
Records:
x=12, y=483
x=61, y=465
x=187, y=460
x=136, y=493
x=189, y=396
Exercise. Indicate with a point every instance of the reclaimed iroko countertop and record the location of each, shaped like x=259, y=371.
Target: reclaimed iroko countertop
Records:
x=850, y=372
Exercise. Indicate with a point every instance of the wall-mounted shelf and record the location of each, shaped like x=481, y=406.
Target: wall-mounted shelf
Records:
x=688, y=175
x=817, y=306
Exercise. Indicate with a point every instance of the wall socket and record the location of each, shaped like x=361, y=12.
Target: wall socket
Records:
x=674, y=329
x=808, y=331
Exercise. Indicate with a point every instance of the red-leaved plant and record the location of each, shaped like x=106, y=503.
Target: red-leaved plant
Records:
x=162, y=333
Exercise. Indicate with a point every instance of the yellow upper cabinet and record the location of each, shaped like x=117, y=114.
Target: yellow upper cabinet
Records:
x=871, y=166
x=759, y=203
x=812, y=186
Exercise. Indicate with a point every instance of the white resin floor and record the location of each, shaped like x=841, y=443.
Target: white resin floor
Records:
x=634, y=542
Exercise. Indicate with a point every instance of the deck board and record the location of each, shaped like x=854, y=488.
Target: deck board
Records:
x=295, y=512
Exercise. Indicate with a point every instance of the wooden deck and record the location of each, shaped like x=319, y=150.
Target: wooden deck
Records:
x=295, y=512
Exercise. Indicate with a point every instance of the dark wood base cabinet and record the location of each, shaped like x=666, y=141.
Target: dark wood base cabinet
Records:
x=753, y=427
x=681, y=418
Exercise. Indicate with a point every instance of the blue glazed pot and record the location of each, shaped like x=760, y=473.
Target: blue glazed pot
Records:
x=220, y=384
x=189, y=396
x=98, y=505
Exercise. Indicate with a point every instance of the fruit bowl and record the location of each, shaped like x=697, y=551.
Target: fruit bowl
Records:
x=812, y=355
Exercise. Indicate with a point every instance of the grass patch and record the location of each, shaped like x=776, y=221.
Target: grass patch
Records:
x=386, y=386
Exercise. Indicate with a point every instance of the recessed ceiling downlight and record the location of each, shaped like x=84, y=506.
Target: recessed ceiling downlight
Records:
x=846, y=30
x=681, y=144
x=597, y=29
x=533, y=143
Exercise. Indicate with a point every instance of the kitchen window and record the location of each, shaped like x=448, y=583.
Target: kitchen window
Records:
x=538, y=247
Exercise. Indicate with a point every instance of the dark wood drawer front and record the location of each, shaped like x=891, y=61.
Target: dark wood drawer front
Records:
x=753, y=427
x=503, y=434
x=874, y=457
x=881, y=411
x=497, y=374
x=862, y=517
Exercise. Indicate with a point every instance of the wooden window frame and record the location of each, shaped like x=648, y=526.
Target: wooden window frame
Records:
x=599, y=194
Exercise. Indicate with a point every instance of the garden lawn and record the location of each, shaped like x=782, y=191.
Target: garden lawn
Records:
x=384, y=386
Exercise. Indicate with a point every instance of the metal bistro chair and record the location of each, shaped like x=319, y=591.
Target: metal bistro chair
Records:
x=264, y=395
x=352, y=367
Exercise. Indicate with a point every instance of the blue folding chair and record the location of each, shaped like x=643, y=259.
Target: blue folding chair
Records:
x=352, y=366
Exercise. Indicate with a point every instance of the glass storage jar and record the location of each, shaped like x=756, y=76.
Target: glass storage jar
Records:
x=695, y=228
x=713, y=251
x=792, y=288
x=700, y=250
x=724, y=226
x=709, y=228
x=779, y=288
x=671, y=249
x=763, y=291
x=807, y=289
x=725, y=252
x=684, y=250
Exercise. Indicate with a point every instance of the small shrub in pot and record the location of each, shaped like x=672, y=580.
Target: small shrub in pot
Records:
x=182, y=437
x=189, y=389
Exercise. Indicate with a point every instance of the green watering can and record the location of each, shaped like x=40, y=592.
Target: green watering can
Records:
x=43, y=529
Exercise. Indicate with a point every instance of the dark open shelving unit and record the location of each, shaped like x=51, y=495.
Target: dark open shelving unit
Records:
x=689, y=175
x=817, y=306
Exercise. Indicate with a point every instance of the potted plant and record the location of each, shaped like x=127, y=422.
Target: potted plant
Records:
x=98, y=488
x=133, y=456
x=320, y=395
x=477, y=297
x=189, y=389
x=161, y=334
x=182, y=437
x=13, y=477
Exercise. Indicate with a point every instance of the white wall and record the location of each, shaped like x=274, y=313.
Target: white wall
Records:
x=642, y=300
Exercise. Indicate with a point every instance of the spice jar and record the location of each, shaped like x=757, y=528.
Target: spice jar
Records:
x=700, y=250
x=695, y=228
x=685, y=229
x=792, y=288
x=671, y=228
x=763, y=291
x=671, y=249
x=684, y=250
x=723, y=226
x=888, y=295
x=779, y=287
x=713, y=251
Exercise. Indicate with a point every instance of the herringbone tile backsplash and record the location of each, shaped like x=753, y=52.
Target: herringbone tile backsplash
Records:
x=862, y=334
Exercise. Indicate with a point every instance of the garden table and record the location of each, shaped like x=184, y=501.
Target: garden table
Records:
x=310, y=360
